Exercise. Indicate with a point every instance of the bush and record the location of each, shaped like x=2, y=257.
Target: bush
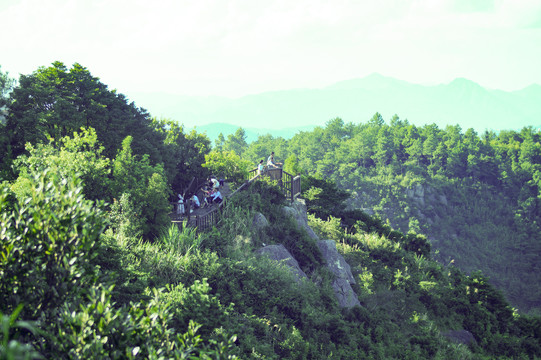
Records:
x=124, y=219
x=96, y=330
x=48, y=242
x=197, y=304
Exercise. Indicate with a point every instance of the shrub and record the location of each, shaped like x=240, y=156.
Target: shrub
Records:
x=97, y=330
x=197, y=304
x=124, y=219
x=48, y=242
x=418, y=244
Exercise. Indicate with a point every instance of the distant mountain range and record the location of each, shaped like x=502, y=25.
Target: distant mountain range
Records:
x=284, y=113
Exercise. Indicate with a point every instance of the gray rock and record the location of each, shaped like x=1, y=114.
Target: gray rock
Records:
x=410, y=193
x=419, y=201
x=297, y=211
x=460, y=336
x=279, y=253
x=443, y=199
x=335, y=261
x=344, y=294
x=259, y=221
x=340, y=268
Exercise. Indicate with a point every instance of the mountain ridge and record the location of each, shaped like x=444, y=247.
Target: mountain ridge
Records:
x=460, y=102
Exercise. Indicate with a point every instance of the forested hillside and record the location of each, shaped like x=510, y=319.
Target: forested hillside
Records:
x=91, y=266
x=476, y=196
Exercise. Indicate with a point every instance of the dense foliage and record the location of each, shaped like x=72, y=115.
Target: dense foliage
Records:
x=477, y=197
x=54, y=102
x=91, y=268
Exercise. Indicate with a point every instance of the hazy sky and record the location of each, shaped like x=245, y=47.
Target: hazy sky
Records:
x=238, y=47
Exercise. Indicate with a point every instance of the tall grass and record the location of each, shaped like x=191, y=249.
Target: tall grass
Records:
x=179, y=241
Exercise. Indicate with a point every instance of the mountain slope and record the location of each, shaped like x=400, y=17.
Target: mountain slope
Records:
x=461, y=102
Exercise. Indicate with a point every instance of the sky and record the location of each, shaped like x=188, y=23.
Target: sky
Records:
x=237, y=47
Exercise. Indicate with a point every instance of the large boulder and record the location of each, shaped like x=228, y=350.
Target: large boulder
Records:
x=344, y=294
x=259, y=221
x=280, y=253
x=297, y=211
x=340, y=268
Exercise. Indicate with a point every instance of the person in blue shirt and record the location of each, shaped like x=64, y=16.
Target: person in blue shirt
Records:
x=216, y=197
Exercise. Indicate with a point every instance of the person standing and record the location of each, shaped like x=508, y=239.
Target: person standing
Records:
x=180, y=207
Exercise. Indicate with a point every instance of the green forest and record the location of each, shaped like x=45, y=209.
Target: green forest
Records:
x=439, y=226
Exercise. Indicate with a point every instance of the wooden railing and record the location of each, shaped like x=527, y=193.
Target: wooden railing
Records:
x=289, y=184
x=208, y=220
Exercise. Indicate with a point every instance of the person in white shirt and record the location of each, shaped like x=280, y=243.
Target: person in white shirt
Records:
x=180, y=208
x=271, y=164
x=215, y=183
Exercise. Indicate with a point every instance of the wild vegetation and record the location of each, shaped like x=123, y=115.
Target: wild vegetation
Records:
x=476, y=197
x=91, y=268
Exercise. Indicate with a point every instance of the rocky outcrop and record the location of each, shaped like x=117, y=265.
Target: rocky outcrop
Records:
x=460, y=336
x=259, y=221
x=297, y=211
x=280, y=253
x=335, y=261
x=425, y=196
x=417, y=194
x=340, y=268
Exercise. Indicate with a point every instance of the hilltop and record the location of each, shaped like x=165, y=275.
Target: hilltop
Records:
x=92, y=267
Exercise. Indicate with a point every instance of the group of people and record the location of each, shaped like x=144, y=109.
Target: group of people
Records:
x=211, y=192
x=271, y=164
x=181, y=209
x=211, y=195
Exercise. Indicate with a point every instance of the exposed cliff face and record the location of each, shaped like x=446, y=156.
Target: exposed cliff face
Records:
x=335, y=262
x=297, y=211
x=473, y=226
x=340, y=268
x=422, y=202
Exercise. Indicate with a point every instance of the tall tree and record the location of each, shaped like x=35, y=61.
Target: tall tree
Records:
x=78, y=155
x=236, y=142
x=183, y=154
x=54, y=102
x=219, y=142
x=6, y=85
x=146, y=184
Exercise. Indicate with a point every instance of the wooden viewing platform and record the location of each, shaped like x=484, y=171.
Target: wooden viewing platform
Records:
x=289, y=184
